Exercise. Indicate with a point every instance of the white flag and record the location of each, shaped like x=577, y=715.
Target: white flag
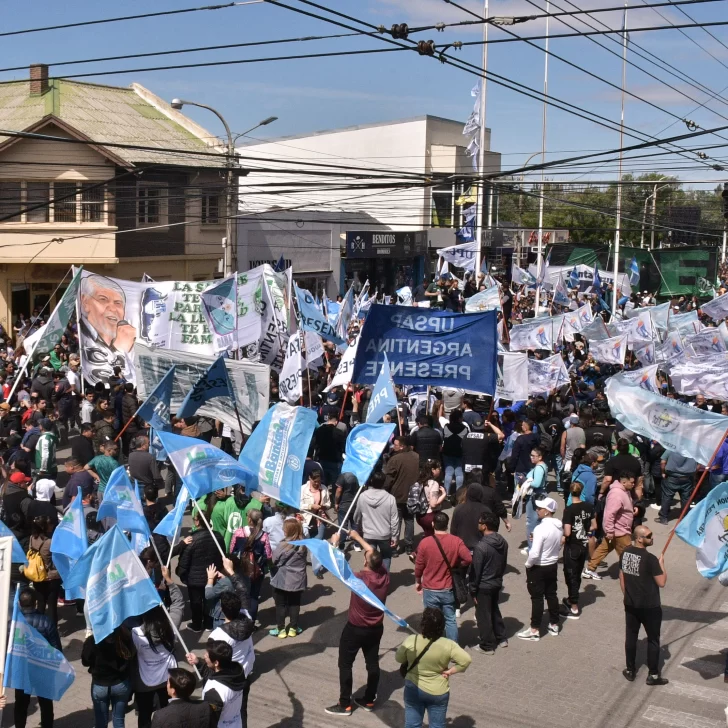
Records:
x=462, y=256
x=644, y=352
x=537, y=334
x=512, y=378
x=521, y=277
x=646, y=378
x=486, y=300
x=290, y=385
x=609, y=351
x=596, y=330
x=572, y=325
x=342, y=378
x=545, y=375
x=708, y=341
x=717, y=309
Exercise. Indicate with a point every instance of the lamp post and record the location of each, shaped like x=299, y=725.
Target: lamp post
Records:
x=520, y=206
x=230, y=253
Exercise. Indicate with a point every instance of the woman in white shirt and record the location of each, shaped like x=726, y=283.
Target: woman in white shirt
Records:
x=315, y=499
x=154, y=642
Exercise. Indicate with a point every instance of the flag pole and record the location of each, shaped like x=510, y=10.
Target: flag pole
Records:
x=171, y=546
x=350, y=509
x=695, y=490
x=209, y=527
x=343, y=404
x=325, y=520
x=179, y=637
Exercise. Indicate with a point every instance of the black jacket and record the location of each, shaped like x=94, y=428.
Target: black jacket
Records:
x=16, y=503
x=191, y=713
x=522, y=452
x=490, y=558
x=104, y=664
x=82, y=449
x=464, y=522
x=427, y=442
x=43, y=385
x=197, y=556
x=493, y=502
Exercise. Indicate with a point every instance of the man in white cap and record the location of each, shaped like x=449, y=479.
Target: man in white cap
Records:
x=542, y=569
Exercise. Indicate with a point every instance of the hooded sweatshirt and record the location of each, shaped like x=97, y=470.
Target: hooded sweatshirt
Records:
x=546, y=543
x=618, y=511
x=377, y=511
x=226, y=687
x=235, y=513
x=490, y=558
x=465, y=517
x=238, y=634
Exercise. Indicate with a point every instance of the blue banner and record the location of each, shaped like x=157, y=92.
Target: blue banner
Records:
x=334, y=561
x=31, y=664
x=276, y=450
x=202, y=467
x=437, y=348
x=383, y=397
x=364, y=447
x=312, y=319
x=117, y=585
x=215, y=382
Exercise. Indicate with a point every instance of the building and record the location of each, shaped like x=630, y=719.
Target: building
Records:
x=413, y=222
x=91, y=182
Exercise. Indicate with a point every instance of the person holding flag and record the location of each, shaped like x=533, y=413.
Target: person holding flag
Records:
x=32, y=633
x=362, y=631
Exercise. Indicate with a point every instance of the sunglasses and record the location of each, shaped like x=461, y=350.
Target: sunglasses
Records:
x=647, y=535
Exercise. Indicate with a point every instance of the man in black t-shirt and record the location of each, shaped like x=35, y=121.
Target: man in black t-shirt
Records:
x=623, y=461
x=577, y=521
x=641, y=576
x=330, y=444
x=426, y=441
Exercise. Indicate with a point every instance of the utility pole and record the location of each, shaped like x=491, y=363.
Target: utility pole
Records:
x=481, y=149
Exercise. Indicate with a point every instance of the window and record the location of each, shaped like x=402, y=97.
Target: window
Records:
x=65, y=209
x=10, y=201
x=38, y=193
x=92, y=203
x=446, y=210
x=210, y=207
x=149, y=205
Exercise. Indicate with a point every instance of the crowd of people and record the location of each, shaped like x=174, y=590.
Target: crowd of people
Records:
x=557, y=469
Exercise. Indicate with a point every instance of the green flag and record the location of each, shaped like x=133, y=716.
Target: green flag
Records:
x=60, y=317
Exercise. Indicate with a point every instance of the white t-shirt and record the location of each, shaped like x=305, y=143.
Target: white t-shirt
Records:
x=154, y=666
x=243, y=651
x=74, y=380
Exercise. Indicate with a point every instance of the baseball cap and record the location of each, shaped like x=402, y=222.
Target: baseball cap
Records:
x=548, y=503
x=45, y=489
x=19, y=478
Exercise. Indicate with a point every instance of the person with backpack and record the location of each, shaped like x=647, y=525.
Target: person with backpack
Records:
x=252, y=545
x=534, y=489
x=426, y=496
x=40, y=570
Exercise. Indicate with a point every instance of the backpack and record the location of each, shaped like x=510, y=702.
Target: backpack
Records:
x=417, y=503
x=546, y=442
x=35, y=570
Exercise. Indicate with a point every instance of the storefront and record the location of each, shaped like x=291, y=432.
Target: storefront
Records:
x=388, y=259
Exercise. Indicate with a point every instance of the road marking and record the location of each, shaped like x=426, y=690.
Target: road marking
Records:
x=720, y=624
x=709, y=667
x=723, y=607
x=704, y=643
x=698, y=692
x=678, y=719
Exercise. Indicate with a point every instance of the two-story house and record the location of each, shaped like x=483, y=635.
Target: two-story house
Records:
x=126, y=185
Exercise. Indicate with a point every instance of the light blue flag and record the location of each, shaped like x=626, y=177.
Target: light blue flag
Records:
x=170, y=524
x=335, y=562
x=203, y=467
x=215, y=382
x=688, y=431
x=31, y=664
x=276, y=450
x=331, y=310
x=122, y=503
x=117, y=585
x=561, y=295
x=574, y=281
x=155, y=408
x=345, y=314
x=17, y=555
x=155, y=445
x=544, y=270
x=364, y=447
x=705, y=527
x=383, y=398
x=69, y=538
x=311, y=318
x=634, y=273
x=63, y=566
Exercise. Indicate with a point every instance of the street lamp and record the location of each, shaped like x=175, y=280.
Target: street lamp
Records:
x=520, y=208
x=229, y=251
x=265, y=122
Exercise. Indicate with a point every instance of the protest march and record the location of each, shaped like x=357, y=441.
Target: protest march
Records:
x=207, y=483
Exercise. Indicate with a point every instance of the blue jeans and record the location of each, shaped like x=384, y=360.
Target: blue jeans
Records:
x=255, y=588
x=717, y=479
x=453, y=466
x=104, y=697
x=557, y=464
x=332, y=471
x=315, y=531
x=341, y=513
x=673, y=484
x=444, y=600
x=417, y=701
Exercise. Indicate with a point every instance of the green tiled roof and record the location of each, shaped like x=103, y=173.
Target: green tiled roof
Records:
x=104, y=114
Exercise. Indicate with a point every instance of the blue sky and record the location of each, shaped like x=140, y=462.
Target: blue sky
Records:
x=310, y=95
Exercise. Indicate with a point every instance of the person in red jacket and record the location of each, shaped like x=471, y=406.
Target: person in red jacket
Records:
x=363, y=631
x=436, y=556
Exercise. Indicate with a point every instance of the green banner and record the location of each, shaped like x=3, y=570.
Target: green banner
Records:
x=686, y=271
x=60, y=317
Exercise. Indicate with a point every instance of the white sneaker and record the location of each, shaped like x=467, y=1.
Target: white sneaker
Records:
x=591, y=575
x=89, y=633
x=554, y=630
x=524, y=552
x=529, y=634
x=655, y=506
x=357, y=547
x=457, y=614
